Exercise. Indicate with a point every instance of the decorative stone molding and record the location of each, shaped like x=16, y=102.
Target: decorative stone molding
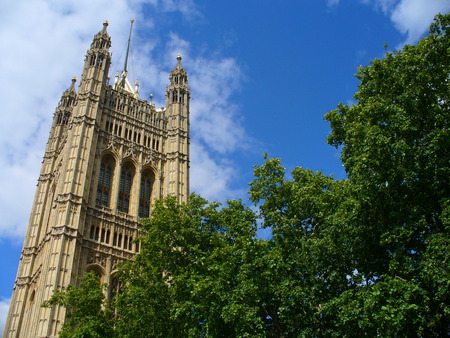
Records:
x=96, y=258
x=69, y=197
x=83, y=119
x=28, y=251
x=58, y=231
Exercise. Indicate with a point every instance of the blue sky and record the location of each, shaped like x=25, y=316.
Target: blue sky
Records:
x=262, y=75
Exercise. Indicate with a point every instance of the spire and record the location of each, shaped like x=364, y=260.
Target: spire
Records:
x=128, y=48
x=123, y=82
x=178, y=90
x=71, y=89
x=178, y=76
x=70, y=92
x=105, y=24
x=64, y=110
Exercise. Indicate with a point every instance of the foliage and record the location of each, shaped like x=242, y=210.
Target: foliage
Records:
x=395, y=145
x=364, y=256
x=196, y=274
x=87, y=316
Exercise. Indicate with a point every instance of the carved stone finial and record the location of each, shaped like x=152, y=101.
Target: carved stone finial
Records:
x=105, y=25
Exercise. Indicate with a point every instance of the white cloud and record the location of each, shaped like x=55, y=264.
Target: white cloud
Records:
x=385, y=5
x=4, y=307
x=186, y=7
x=211, y=178
x=43, y=43
x=411, y=17
x=333, y=3
x=214, y=115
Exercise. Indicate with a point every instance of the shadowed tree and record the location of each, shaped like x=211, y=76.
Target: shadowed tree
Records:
x=87, y=313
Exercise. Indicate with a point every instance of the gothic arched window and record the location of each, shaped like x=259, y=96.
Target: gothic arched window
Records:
x=130, y=243
x=115, y=288
x=97, y=271
x=146, y=193
x=126, y=181
x=65, y=119
x=102, y=237
x=115, y=239
x=108, y=233
x=105, y=181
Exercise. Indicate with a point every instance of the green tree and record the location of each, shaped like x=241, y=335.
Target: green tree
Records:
x=198, y=274
x=395, y=144
x=368, y=255
x=87, y=313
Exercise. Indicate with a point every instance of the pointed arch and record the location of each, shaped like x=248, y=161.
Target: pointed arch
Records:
x=105, y=178
x=114, y=285
x=125, y=186
x=98, y=270
x=146, y=192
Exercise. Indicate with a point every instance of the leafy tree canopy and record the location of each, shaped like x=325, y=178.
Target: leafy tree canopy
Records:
x=88, y=314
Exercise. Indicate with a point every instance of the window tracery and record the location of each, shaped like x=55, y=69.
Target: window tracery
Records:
x=105, y=181
x=126, y=182
x=145, y=194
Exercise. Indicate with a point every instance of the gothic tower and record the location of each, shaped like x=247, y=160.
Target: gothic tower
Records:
x=108, y=157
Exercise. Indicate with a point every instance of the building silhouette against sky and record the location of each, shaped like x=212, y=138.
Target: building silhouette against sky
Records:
x=109, y=155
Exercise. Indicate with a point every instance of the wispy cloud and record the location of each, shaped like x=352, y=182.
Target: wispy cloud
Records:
x=332, y=3
x=44, y=43
x=411, y=17
x=210, y=176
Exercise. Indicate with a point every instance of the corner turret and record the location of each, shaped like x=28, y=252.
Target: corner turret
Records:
x=177, y=112
x=64, y=109
x=102, y=40
x=178, y=90
x=96, y=63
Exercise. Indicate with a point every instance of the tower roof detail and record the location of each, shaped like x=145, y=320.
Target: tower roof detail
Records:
x=178, y=68
x=178, y=76
x=71, y=89
x=102, y=40
x=122, y=82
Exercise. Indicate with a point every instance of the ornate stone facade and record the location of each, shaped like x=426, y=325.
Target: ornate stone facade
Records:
x=108, y=157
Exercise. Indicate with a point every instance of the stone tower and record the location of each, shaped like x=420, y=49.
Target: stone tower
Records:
x=108, y=157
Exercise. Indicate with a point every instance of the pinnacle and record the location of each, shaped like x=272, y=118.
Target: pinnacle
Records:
x=72, y=85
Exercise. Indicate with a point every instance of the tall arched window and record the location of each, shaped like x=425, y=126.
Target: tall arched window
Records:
x=126, y=181
x=146, y=193
x=105, y=181
x=115, y=288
